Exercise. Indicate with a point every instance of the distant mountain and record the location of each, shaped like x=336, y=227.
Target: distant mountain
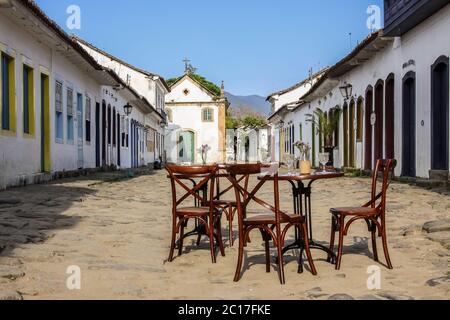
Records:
x=253, y=102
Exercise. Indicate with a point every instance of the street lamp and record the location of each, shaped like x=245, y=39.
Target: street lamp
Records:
x=127, y=109
x=346, y=90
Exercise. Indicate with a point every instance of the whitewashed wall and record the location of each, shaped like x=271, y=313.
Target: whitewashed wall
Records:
x=187, y=116
x=20, y=155
x=424, y=44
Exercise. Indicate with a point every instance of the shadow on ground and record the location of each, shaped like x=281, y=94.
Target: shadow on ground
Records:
x=31, y=214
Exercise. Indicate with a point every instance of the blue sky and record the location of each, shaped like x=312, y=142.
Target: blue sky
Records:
x=255, y=46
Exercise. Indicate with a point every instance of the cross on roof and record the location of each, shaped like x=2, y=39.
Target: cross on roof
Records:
x=188, y=68
x=186, y=65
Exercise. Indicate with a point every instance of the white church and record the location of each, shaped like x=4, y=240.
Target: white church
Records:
x=196, y=119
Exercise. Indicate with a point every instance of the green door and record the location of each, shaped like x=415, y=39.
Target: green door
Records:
x=186, y=148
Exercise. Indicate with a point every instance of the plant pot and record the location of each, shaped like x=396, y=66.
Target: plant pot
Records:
x=330, y=150
x=305, y=167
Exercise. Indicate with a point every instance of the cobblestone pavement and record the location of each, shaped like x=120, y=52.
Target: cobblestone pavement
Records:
x=118, y=233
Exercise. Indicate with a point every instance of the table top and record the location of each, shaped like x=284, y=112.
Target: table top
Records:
x=299, y=177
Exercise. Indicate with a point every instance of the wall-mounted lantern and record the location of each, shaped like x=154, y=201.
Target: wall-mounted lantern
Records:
x=346, y=90
x=127, y=109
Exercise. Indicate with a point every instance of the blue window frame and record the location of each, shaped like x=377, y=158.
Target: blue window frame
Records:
x=70, y=129
x=26, y=100
x=5, y=91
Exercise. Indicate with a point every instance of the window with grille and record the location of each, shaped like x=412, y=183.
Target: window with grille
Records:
x=207, y=115
x=59, y=112
x=69, y=107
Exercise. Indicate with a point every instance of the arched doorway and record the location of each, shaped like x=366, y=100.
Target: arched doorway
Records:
x=368, y=125
x=390, y=117
x=409, y=125
x=440, y=114
x=379, y=105
x=346, y=138
x=352, y=141
x=186, y=146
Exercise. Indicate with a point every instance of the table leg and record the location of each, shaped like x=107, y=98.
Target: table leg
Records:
x=303, y=207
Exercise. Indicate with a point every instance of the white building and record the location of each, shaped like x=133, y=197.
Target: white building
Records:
x=399, y=103
x=57, y=104
x=282, y=128
x=196, y=118
x=248, y=144
x=153, y=89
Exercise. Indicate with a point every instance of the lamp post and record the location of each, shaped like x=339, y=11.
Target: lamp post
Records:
x=128, y=108
x=346, y=90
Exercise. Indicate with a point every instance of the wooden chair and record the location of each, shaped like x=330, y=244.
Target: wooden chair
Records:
x=229, y=207
x=206, y=214
x=373, y=212
x=270, y=221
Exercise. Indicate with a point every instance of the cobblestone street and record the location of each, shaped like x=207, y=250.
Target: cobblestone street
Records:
x=118, y=233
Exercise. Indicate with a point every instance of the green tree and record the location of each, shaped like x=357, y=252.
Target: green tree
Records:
x=212, y=87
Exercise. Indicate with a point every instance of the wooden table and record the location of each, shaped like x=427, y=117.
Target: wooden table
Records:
x=301, y=191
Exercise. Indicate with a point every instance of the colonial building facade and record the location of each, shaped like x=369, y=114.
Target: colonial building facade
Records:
x=283, y=132
x=399, y=105
x=60, y=109
x=153, y=88
x=196, y=118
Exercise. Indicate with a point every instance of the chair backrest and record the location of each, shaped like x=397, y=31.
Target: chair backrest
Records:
x=384, y=169
x=244, y=197
x=179, y=174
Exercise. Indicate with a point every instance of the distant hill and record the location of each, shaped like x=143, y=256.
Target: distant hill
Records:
x=254, y=102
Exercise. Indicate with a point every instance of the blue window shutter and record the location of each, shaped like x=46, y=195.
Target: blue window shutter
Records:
x=5, y=93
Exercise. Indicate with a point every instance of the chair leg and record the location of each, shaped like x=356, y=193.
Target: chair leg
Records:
x=385, y=248
x=230, y=225
x=280, y=262
x=333, y=236
x=267, y=256
x=219, y=237
x=308, y=251
x=174, y=239
x=237, y=275
x=180, y=243
x=212, y=241
x=374, y=243
x=341, y=243
x=300, y=261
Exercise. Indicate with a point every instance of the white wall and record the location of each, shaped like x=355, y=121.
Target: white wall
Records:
x=424, y=44
x=187, y=116
x=21, y=154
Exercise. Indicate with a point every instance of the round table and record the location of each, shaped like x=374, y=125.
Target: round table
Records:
x=301, y=192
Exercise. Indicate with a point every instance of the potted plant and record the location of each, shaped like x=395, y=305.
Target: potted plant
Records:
x=326, y=124
x=305, y=153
